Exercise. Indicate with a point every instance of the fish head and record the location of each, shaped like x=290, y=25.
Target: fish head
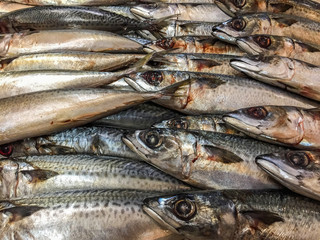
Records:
x=161, y=45
x=259, y=44
x=168, y=150
x=195, y=215
x=267, y=69
x=273, y=123
x=148, y=80
x=174, y=123
x=295, y=169
x=241, y=26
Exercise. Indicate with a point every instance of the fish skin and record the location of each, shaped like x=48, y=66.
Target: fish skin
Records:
x=190, y=44
x=291, y=74
x=300, y=8
x=26, y=176
x=285, y=125
x=87, y=214
x=280, y=46
x=6, y=7
x=217, y=94
x=72, y=17
x=139, y=117
x=235, y=214
x=70, y=2
x=301, y=29
x=53, y=110
x=81, y=140
x=210, y=123
x=205, y=160
x=75, y=61
x=297, y=170
x=184, y=12
x=13, y=45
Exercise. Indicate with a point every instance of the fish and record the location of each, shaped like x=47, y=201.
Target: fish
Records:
x=68, y=60
x=268, y=45
x=196, y=62
x=13, y=45
x=190, y=44
x=237, y=214
x=297, y=170
x=26, y=176
x=293, y=75
x=81, y=140
x=217, y=94
x=206, y=160
x=184, y=12
x=210, y=123
x=72, y=17
x=23, y=82
x=123, y=10
x=139, y=117
x=301, y=29
x=286, y=125
x=39, y=113
x=82, y=214
x=306, y=8
x=71, y=3
x=6, y=7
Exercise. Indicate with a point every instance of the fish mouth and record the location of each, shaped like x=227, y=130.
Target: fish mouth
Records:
x=234, y=119
x=279, y=171
x=248, y=48
x=216, y=32
x=133, y=143
x=245, y=65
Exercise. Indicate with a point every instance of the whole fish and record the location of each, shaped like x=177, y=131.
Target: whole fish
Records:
x=87, y=214
x=291, y=126
x=191, y=44
x=204, y=160
x=297, y=170
x=70, y=2
x=81, y=140
x=77, y=61
x=139, y=117
x=216, y=94
x=184, y=12
x=305, y=8
x=196, y=62
x=22, y=82
x=77, y=17
x=301, y=29
x=210, y=123
x=268, y=45
x=293, y=75
x=65, y=40
x=40, y=113
x=21, y=177
x=234, y=214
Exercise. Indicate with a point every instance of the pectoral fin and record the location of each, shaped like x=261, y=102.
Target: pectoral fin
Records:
x=39, y=175
x=20, y=212
x=221, y=155
x=264, y=217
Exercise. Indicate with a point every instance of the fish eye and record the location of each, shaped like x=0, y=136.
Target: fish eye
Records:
x=165, y=43
x=239, y=3
x=178, y=124
x=184, y=209
x=152, y=77
x=300, y=159
x=6, y=150
x=258, y=113
x=238, y=24
x=263, y=41
x=153, y=139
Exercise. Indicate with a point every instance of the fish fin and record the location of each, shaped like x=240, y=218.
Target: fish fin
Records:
x=155, y=25
x=138, y=66
x=39, y=175
x=172, y=89
x=79, y=118
x=221, y=155
x=20, y=212
x=281, y=7
x=286, y=21
x=188, y=26
x=265, y=217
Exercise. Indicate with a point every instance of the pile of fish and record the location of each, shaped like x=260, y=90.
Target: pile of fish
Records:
x=168, y=119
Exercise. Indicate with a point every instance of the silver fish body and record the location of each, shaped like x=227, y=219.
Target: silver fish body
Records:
x=205, y=160
x=234, y=214
x=70, y=2
x=268, y=45
x=286, y=125
x=26, y=176
x=87, y=214
x=293, y=75
x=297, y=170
